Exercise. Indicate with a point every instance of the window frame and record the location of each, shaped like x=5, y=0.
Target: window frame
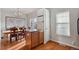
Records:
x=68, y=23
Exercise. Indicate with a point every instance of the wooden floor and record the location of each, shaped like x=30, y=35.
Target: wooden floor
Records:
x=6, y=45
x=50, y=45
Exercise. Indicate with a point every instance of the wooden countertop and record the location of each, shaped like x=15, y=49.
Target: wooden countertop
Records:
x=8, y=32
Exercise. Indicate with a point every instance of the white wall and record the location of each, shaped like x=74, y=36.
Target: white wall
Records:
x=0, y=27
x=0, y=23
x=31, y=16
x=74, y=14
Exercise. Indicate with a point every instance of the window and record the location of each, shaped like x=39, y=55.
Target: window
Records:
x=63, y=24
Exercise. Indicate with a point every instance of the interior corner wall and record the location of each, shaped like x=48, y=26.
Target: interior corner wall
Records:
x=74, y=15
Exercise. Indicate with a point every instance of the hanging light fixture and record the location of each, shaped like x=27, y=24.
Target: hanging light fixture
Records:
x=18, y=12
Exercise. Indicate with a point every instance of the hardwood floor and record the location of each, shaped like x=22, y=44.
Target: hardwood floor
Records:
x=50, y=45
x=6, y=45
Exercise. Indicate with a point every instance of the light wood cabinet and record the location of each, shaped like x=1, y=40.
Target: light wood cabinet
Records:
x=34, y=39
x=41, y=37
x=28, y=40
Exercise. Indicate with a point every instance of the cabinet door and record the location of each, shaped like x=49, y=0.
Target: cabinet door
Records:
x=41, y=37
x=34, y=39
x=28, y=40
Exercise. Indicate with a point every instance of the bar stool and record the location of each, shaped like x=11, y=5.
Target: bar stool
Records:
x=13, y=34
x=22, y=32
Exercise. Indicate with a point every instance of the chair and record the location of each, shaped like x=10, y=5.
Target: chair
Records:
x=22, y=32
x=13, y=33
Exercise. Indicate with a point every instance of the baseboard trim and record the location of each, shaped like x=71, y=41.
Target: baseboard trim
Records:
x=66, y=44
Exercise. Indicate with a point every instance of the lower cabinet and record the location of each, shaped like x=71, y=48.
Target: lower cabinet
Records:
x=41, y=37
x=34, y=39
x=28, y=40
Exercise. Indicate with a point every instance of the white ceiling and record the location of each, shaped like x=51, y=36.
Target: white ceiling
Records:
x=23, y=10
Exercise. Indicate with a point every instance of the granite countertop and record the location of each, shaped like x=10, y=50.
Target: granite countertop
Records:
x=32, y=30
